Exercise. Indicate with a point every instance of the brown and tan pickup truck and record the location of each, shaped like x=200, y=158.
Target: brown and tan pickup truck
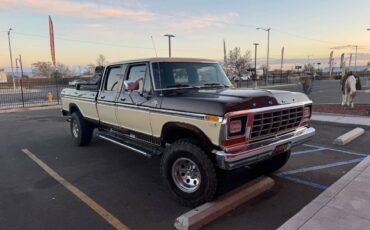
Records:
x=187, y=112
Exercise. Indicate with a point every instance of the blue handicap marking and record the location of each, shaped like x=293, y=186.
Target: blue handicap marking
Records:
x=288, y=174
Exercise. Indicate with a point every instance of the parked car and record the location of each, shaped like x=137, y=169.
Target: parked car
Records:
x=187, y=112
x=75, y=82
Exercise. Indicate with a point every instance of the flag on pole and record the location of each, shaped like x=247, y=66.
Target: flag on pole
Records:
x=342, y=60
x=330, y=63
x=51, y=35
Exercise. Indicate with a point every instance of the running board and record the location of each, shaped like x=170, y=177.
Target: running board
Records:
x=146, y=150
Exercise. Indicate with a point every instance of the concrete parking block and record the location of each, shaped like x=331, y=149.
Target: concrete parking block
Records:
x=210, y=211
x=350, y=136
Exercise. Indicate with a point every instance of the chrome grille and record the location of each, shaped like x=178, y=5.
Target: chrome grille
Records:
x=270, y=123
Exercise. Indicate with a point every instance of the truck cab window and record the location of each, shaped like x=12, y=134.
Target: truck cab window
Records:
x=138, y=73
x=113, y=77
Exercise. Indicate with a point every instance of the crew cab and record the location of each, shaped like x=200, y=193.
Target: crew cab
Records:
x=187, y=112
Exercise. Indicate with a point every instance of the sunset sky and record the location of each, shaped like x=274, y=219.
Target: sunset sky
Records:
x=121, y=29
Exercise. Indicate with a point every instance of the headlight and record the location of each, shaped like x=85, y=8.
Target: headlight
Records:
x=237, y=126
x=307, y=111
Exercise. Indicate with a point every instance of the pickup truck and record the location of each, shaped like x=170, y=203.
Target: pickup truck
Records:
x=187, y=112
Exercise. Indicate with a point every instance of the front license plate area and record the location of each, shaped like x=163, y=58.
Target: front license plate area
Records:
x=281, y=148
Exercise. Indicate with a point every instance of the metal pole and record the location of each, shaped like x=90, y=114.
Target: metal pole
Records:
x=11, y=56
x=268, y=54
x=356, y=59
x=20, y=62
x=268, y=50
x=20, y=82
x=255, y=57
x=169, y=42
x=16, y=65
x=169, y=46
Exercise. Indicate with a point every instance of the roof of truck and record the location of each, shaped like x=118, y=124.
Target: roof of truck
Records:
x=164, y=59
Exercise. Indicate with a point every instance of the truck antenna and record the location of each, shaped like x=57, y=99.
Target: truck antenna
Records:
x=155, y=49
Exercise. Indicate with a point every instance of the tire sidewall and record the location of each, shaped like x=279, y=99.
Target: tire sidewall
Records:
x=76, y=118
x=208, y=183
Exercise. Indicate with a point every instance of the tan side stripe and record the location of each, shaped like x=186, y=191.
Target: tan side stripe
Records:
x=82, y=196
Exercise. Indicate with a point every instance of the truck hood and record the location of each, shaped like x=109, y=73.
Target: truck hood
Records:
x=221, y=101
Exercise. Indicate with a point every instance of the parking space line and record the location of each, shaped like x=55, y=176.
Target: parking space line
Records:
x=313, y=168
x=305, y=182
x=78, y=193
x=308, y=151
x=337, y=150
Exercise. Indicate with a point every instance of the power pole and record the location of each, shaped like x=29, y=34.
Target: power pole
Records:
x=225, y=58
x=11, y=56
x=255, y=57
x=21, y=64
x=356, y=59
x=169, y=43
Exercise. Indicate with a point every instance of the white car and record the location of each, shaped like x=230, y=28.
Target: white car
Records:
x=75, y=82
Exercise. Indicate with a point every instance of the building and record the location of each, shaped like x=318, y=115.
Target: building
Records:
x=3, y=76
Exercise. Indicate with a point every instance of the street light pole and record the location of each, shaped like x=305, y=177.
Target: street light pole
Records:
x=268, y=49
x=255, y=57
x=11, y=56
x=21, y=65
x=169, y=42
x=356, y=59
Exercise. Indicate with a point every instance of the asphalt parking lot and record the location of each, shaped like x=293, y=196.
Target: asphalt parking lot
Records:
x=129, y=187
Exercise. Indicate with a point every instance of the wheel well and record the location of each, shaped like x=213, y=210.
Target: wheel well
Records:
x=73, y=108
x=172, y=132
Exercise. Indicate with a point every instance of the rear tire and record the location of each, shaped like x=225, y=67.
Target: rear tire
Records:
x=81, y=129
x=189, y=173
x=273, y=164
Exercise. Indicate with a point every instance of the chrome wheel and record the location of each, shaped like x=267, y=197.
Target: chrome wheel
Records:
x=186, y=175
x=75, y=129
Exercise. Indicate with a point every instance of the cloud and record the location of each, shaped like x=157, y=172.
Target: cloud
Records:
x=79, y=9
x=200, y=22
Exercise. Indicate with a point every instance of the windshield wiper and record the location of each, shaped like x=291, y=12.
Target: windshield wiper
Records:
x=215, y=84
x=179, y=86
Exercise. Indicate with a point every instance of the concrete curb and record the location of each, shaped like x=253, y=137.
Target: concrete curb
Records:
x=342, y=119
x=208, y=212
x=349, y=136
x=310, y=210
x=15, y=110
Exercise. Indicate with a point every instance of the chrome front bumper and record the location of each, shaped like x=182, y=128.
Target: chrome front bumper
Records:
x=258, y=151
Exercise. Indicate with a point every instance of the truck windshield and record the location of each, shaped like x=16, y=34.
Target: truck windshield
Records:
x=188, y=75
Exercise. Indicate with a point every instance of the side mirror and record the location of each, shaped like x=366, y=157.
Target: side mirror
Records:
x=131, y=85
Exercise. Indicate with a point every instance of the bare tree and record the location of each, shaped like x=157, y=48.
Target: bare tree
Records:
x=63, y=70
x=238, y=61
x=101, y=60
x=46, y=69
x=43, y=69
x=90, y=69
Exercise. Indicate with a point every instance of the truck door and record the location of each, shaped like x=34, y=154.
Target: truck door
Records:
x=133, y=106
x=109, y=91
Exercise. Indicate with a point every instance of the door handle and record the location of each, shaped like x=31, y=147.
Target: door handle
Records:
x=102, y=97
x=123, y=99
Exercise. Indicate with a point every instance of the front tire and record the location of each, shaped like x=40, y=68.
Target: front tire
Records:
x=81, y=129
x=189, y=173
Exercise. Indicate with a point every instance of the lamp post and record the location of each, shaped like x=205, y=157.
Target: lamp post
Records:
x=255, y=57
x=169, y=43
x=268, y=49
x=11, y=56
